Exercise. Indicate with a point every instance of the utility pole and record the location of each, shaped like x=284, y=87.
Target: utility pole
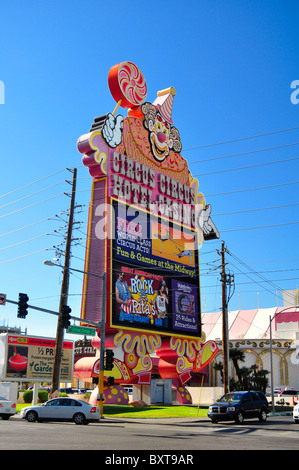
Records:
x=64, y=292
x=224, y=321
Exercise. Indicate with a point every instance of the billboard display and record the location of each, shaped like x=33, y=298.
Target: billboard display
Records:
x=32, y=358
x=155, y=273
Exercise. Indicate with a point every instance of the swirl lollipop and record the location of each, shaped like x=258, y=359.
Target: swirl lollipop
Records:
x=127, y=85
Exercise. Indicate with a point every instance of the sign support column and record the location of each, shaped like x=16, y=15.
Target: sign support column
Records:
x=102, y=350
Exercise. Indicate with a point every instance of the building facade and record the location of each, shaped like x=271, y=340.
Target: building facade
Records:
x=249, y=331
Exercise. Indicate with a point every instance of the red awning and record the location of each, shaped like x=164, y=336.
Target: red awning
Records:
x=87, y=367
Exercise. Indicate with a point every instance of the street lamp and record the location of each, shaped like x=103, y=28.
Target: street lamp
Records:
x=271, y=351
x=100, y=326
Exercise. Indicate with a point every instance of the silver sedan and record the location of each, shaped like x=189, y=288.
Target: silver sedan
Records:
x=7, y=408
x=62, y=409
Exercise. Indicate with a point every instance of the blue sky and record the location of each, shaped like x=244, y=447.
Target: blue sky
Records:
x=232, y=64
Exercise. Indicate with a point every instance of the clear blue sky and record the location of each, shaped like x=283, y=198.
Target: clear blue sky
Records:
x=232, y=64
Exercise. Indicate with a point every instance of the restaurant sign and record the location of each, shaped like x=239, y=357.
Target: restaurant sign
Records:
x=32, y=358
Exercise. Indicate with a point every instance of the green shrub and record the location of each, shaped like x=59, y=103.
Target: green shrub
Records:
x=43, y=396
x=28, y=396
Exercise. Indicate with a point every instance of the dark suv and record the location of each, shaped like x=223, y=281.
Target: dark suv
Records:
x=238, y=406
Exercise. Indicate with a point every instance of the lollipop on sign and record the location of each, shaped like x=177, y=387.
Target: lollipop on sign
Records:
x=127, y=85
x=128, y=88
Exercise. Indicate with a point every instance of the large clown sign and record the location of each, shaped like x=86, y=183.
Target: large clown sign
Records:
x=147, y=221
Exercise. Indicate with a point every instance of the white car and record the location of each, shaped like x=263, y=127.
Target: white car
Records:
x=7, y=408
x=62, y=409
x=296, y=413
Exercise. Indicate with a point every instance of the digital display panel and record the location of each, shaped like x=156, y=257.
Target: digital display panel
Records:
x=155, y=273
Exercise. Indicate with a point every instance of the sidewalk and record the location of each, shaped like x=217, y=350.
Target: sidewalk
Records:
x=167, y=420
x=111, y=418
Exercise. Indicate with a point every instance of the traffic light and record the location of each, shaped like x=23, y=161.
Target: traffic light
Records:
x=109, y=359
x=110, y=381
x=65, y=316
x=22, y=305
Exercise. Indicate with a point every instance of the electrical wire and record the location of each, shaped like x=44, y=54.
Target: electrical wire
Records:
x=259, y=227
x=34, y=182
x=30, y=195
x=254, y=272
x=251, y=189
x=32, y=205
x=257, y=209
x=26, y=241
x=24, y=256
x=249, y=152
x=242, y=138
x=246, y=167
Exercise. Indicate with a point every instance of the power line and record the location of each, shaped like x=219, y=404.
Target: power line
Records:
x=22, y=228
x=243, y=153
x=257, y=209
x=258, y=227
x=30, y=225
x=254, y=272
x=251, y=189
x=26, y=241
x=30, y=195
x=32, y=205
x=274, y=261
x=30, y=184
x=24, y=256
x=259, y=272
x=246, y=167
x=241, y=139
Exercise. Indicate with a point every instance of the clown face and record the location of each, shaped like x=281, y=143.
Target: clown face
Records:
x=159, y=137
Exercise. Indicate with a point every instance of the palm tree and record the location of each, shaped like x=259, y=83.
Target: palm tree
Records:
x=237, y=355
x=245, y=378
x=259, y=379
x=219, y=367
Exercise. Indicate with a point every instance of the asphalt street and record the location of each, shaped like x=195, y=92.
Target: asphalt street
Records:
x=171, y=435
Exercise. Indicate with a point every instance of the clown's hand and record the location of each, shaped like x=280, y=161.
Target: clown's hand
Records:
x=112, y=130
x=206, y=224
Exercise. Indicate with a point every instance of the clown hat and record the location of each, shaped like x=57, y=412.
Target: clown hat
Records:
x=164, y=102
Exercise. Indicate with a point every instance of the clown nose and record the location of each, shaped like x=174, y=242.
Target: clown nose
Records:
x=161, y=137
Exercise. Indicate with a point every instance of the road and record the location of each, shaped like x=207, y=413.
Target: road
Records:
x=159, y=436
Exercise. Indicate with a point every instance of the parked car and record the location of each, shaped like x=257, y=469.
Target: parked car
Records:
x=288, y=393
x=238, y=406
x=66, y=390
x=62, y=409
x=7, y=408
x=72, y=391
x=296, y=413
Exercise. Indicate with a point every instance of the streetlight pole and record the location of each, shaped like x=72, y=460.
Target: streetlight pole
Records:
x=271, y=351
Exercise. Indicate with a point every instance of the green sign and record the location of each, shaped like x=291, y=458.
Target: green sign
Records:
x=81, y=330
